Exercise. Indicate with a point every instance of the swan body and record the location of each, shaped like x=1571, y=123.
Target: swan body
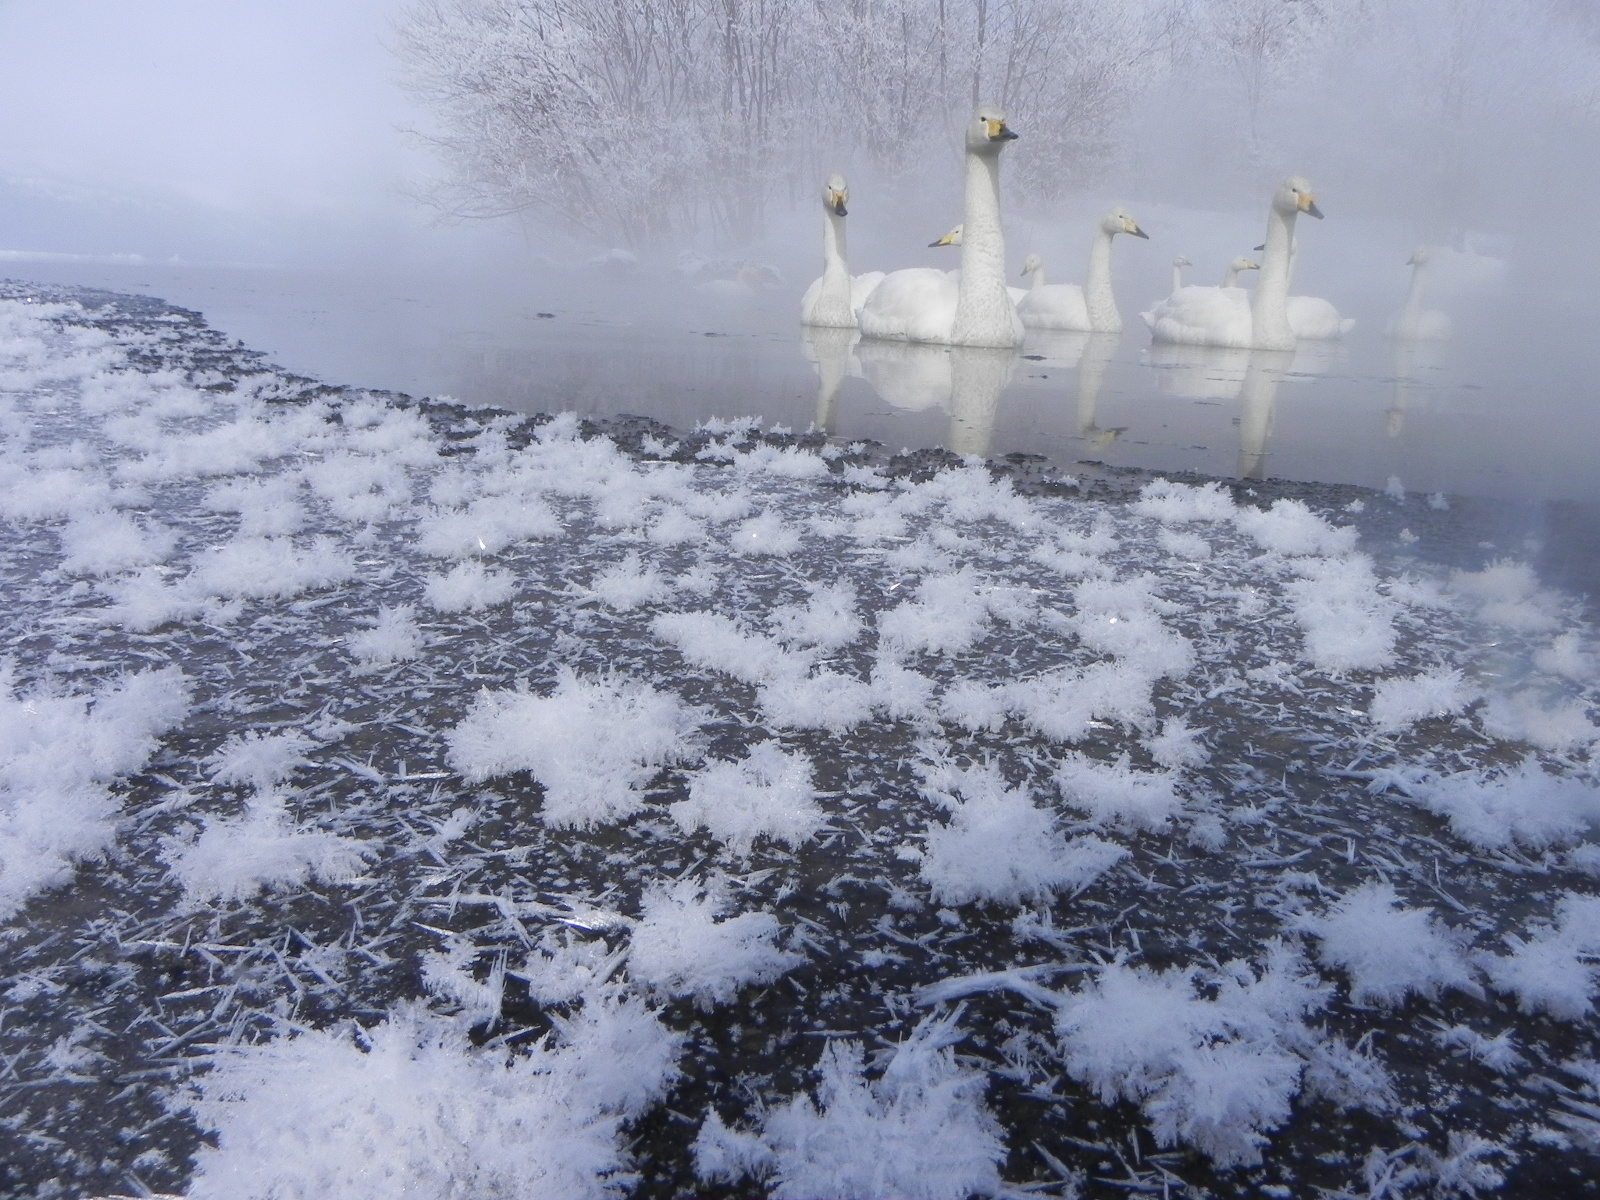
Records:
x=1413, y=322
x=1202, y=316
x=835, y=297
x=1091, y=308
x=1317, y=319
x=974, y=309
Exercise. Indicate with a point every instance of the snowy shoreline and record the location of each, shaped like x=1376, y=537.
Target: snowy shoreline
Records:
x=393, y=792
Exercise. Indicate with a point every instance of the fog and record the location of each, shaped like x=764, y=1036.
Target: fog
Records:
x=334, y=185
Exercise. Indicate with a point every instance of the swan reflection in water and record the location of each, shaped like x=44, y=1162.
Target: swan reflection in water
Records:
x=1418, y=368
x=966, y=381
x=1217, y=374
x=830, y=351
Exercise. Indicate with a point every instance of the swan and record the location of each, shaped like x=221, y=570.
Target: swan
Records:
x=1088, y=309
x=1413, y=322
x=921, y=304
x=1178, y=264
x=1231, y=278
x=1204, y=316
x=835, y=297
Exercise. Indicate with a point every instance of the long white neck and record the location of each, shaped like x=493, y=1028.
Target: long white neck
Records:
x=1038, y=279
x=1177, y=277
x=1269, y=313
x=1231, y=279
x=985, y=315
x=833, y=301
x=1097, y=297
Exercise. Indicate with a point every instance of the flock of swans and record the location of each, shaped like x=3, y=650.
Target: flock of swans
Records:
x=924, y=336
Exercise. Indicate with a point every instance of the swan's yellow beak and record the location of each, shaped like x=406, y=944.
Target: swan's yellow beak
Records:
x=1308, y=205
x=948, y=239
x=997, y=130
x=836, y=202
x=1133, y=228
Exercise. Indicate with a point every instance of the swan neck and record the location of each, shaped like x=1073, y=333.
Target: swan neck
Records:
x=1177, y=279
x=1270, y=310
x=1231, y=278
x=985, y=315
x=1097, y=294
x=1038, y=279
x=833, y=301
x=1414, y=295
x=834, y=251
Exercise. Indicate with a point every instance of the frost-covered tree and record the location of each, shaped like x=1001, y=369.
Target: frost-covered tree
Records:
x=641, y=119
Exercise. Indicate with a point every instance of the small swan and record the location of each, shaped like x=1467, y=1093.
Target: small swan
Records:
x=921, y=304
x=1205, y=316
x=1241, y=263
x=1178, y=264
x=835, y=297
x=1413, y=322
x=1091, y=308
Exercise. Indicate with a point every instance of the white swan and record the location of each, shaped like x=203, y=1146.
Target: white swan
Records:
x=835, y=297
x=1413, y=322
x=1178, y=264
x=1091, y=308
x=1203, y=316
x=921, y=304
x=1241, y=263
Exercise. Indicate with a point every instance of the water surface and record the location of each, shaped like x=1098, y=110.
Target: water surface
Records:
x=1500, y=412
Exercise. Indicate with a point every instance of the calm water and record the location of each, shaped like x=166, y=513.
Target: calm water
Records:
x=1490, y=413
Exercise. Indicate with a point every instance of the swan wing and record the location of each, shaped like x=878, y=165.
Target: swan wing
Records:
x=1055, y=306
x=1202, y=316
x=1315, y=318
x=808, y=302
x=914, y=305
x=861, y=287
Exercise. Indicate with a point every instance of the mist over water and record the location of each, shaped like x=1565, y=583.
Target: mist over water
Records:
x=1459, y=125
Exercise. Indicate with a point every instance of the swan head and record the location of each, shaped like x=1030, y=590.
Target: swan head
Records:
x=953, y=238
x=1181, y=261
x=834, y=193
x=1295, y=195
x=1031, y=264
x=987, y=131
x=1419, y=256
x=1244, y=264
x=1120, y=220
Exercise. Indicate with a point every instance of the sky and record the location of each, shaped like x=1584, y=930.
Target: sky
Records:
x=202, y=127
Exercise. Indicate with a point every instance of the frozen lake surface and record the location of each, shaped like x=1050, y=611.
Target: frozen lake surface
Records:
x=409, y=795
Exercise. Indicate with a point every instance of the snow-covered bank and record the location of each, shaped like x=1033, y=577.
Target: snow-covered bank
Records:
x=900, y=834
